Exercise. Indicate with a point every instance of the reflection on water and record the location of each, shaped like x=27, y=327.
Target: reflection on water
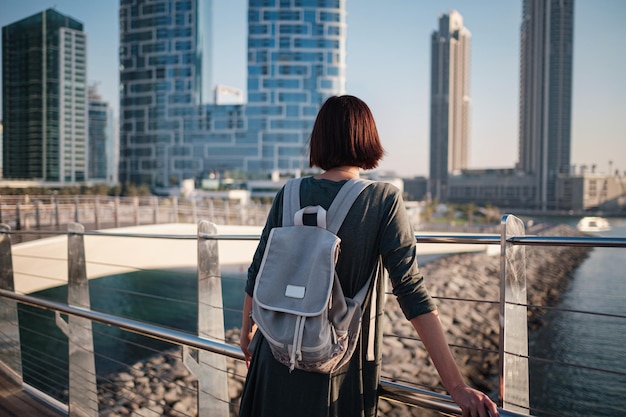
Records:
x=166, y=298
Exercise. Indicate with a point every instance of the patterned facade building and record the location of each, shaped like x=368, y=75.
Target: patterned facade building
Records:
x=44, y=91
x=296, y=60
x=163, y=65
x=547, y=36
x=449, y=102
x=171, y=129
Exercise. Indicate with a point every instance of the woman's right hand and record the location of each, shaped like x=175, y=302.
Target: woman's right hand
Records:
x=247, y=329
x=244, y=343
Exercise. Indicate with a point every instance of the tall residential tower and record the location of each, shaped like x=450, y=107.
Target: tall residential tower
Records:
x=44, y=95
x=547, y=37
x=449, y=102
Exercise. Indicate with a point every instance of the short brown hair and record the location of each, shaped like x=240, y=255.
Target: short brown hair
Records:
x=345, y=133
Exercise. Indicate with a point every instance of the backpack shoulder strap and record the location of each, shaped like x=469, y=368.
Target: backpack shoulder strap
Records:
x=343, y=201
x=338, y=211
x=291, y=200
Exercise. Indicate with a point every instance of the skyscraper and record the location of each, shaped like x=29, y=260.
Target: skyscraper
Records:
x=102, y=160
x=169, y=129
x=547, y=36
x=296, y=60
x=44, y=98
x=164, y=64
x=449, y=101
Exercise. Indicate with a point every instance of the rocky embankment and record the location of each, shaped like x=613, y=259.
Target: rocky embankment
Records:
x=163, y=386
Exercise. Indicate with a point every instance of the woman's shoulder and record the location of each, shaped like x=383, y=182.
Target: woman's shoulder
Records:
x=385, y=188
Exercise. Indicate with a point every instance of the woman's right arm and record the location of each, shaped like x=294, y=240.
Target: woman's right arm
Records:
x=471, y=401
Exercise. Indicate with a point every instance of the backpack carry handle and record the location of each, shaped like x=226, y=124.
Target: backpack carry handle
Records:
x=319, y=210
x=338, y=209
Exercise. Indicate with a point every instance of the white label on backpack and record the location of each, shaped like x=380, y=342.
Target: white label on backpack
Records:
x=294, y=291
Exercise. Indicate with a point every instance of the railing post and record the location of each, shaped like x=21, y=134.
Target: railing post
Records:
x=38, y=215
x=209, y=368
x=10, y=353
x=243, y=213
x=514, y=385
x=116, y=211
x=136, y=210
x=175, y=209
x=211, y=209
x=226, y=211
x=96, y=208
x=83, y=394
x=25, y=216
x=194, y=211
x=155, y=208
x=56, y=211
x=76, y=215
x=18, y=216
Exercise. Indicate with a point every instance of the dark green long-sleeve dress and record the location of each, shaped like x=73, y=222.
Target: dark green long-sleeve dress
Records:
x=377, y=227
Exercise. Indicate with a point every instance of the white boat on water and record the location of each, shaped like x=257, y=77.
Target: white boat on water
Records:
x=593, y=224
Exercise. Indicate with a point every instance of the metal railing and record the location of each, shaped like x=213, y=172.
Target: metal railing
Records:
x=53, y=212
x=206, y=348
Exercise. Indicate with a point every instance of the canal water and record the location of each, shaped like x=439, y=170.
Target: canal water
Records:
x=592, y=342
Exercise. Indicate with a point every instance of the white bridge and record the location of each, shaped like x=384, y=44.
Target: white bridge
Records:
x=42, y=263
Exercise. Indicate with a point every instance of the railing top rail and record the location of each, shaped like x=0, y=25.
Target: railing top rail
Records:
x=146, y=329
x=428, y=399
x=481, y=239
x=607, y=242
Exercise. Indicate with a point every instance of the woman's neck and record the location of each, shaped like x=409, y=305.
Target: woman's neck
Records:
x=340, y=173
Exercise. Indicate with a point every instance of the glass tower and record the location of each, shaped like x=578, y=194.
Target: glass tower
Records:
x=163, y=67
x=296, y=60
x=101, y=138
x=44, y=94
x=169, y=128
x=547, y=37
x=449, y=101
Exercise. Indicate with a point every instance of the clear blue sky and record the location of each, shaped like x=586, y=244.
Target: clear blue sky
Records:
x=388, y=58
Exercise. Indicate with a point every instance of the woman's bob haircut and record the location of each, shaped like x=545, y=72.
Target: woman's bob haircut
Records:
x=344, y=134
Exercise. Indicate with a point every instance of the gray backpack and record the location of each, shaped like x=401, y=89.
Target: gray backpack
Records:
x=298, y=303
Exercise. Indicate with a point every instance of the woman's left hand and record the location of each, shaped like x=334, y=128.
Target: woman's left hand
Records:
x=473, y=403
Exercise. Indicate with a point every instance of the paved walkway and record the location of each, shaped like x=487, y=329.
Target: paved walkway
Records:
x=15, y=402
